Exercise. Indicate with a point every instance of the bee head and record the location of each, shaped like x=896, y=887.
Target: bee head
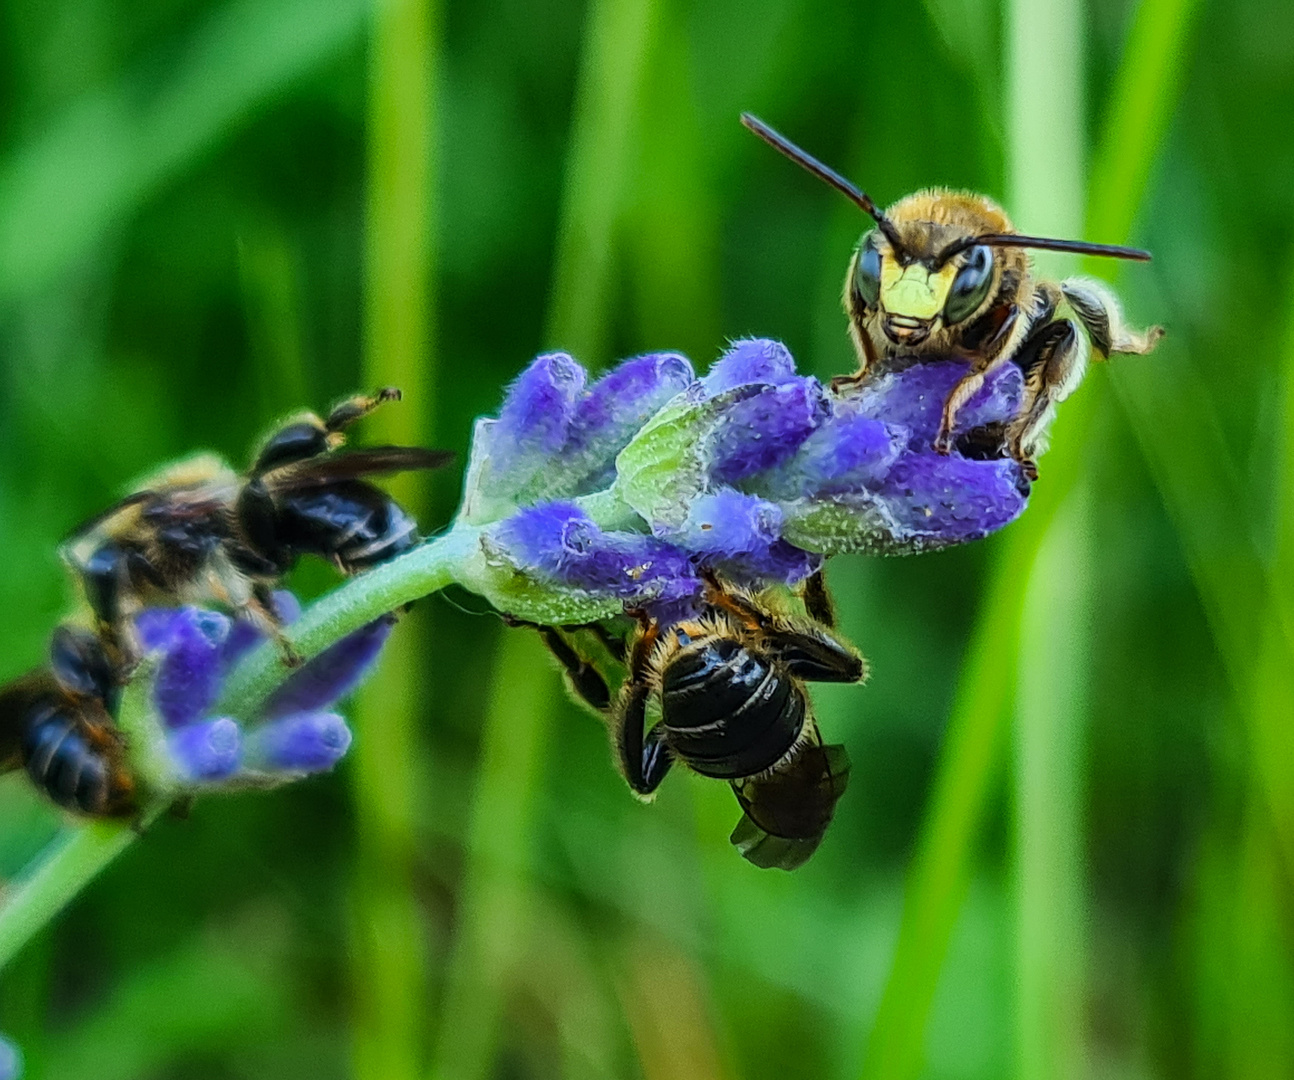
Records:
x=909, y=284
x=936, y=260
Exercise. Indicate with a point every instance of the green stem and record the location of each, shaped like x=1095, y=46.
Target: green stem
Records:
x=68, y=864
x=425, y=570
x=73, y=859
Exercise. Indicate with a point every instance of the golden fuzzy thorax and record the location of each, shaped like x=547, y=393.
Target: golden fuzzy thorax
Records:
x=915, y=286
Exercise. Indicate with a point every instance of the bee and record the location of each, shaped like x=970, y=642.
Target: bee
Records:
x=57, y=723
x=734, y=706
x=199, y=532
x=945, y=274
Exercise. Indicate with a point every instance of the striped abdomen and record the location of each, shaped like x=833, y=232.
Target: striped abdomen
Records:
x=76, y=763
x=729, y=711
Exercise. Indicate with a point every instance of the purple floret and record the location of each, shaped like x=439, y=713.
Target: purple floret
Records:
x=950, y=499
x=754, y=360
x=539, y=407
x=189, y=673
x=764, y=430
x=207, y=751
x=301, y=743
x=332, y=674
x=625, y=398
x=560, y=542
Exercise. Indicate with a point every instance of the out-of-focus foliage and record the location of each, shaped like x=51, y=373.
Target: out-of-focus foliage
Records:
x=182, y=260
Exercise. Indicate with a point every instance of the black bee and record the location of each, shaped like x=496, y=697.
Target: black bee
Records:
x=57, y=723
x=733, y=705
x=199, y=532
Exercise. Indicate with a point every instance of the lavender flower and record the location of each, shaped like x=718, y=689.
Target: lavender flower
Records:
x=594, y=501
x=192, y=652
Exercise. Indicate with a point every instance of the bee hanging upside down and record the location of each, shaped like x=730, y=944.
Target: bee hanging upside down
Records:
x=57, y=723
x=200, y=532
x=734, y=706
x=945, y=275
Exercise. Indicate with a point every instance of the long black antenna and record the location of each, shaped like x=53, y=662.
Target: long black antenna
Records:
x=1043, y=243
x=828, y=175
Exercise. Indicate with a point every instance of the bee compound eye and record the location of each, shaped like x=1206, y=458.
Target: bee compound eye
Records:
x=867, y=271
x=970, y=286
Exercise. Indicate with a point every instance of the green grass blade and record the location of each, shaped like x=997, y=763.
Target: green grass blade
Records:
x=1046, y=46
x=94, y=165
x=974, y=741
x=389, y=957
x=524, y=697
x=607, y=106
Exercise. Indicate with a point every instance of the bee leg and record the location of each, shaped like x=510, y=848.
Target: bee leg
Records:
x=817, y=601
x=816, y=657
x=345, y=413
x=1099, y=311
x=644, y=759
x=260, y=607
x=581, y=675
x=614, y=645
x=1053, y=360
x=965, y=389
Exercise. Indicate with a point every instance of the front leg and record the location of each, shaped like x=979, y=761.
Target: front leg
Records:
x=581, y=675
x=965, y=389
x=260, y=609
x=644, y=759
x=817, y=601
x=346, y=412
x=1053, y=361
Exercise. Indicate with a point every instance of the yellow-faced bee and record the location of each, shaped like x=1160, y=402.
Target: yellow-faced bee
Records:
x=945, y=275
x=200, y=532
x=733, y=705
x=56, y=722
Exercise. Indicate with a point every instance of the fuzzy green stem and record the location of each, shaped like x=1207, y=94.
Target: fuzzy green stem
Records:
x=425, y=570
x=68, y=864
x=74, y=858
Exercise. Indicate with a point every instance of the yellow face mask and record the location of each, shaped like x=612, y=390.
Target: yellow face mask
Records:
x=913, y=291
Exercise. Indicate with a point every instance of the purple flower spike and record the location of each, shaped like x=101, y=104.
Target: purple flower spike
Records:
x=755, y=360
x=206, y=752
x=332, y=674
x=188, y=678
x=301, y=743
x=764, y=430
x=560, y=543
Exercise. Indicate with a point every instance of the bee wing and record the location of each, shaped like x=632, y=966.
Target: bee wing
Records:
x=90, y=524
x=350, y=465
x=787, y=814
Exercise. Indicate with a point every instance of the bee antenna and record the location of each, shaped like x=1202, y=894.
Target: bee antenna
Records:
x=808, y=162
x=1043, y=243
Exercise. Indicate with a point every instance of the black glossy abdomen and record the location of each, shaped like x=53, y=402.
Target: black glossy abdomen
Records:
x=61, y=761
x=728, y=711
x=351, y=521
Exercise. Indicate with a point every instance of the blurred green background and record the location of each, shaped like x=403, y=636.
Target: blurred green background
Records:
x=1068, y=846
